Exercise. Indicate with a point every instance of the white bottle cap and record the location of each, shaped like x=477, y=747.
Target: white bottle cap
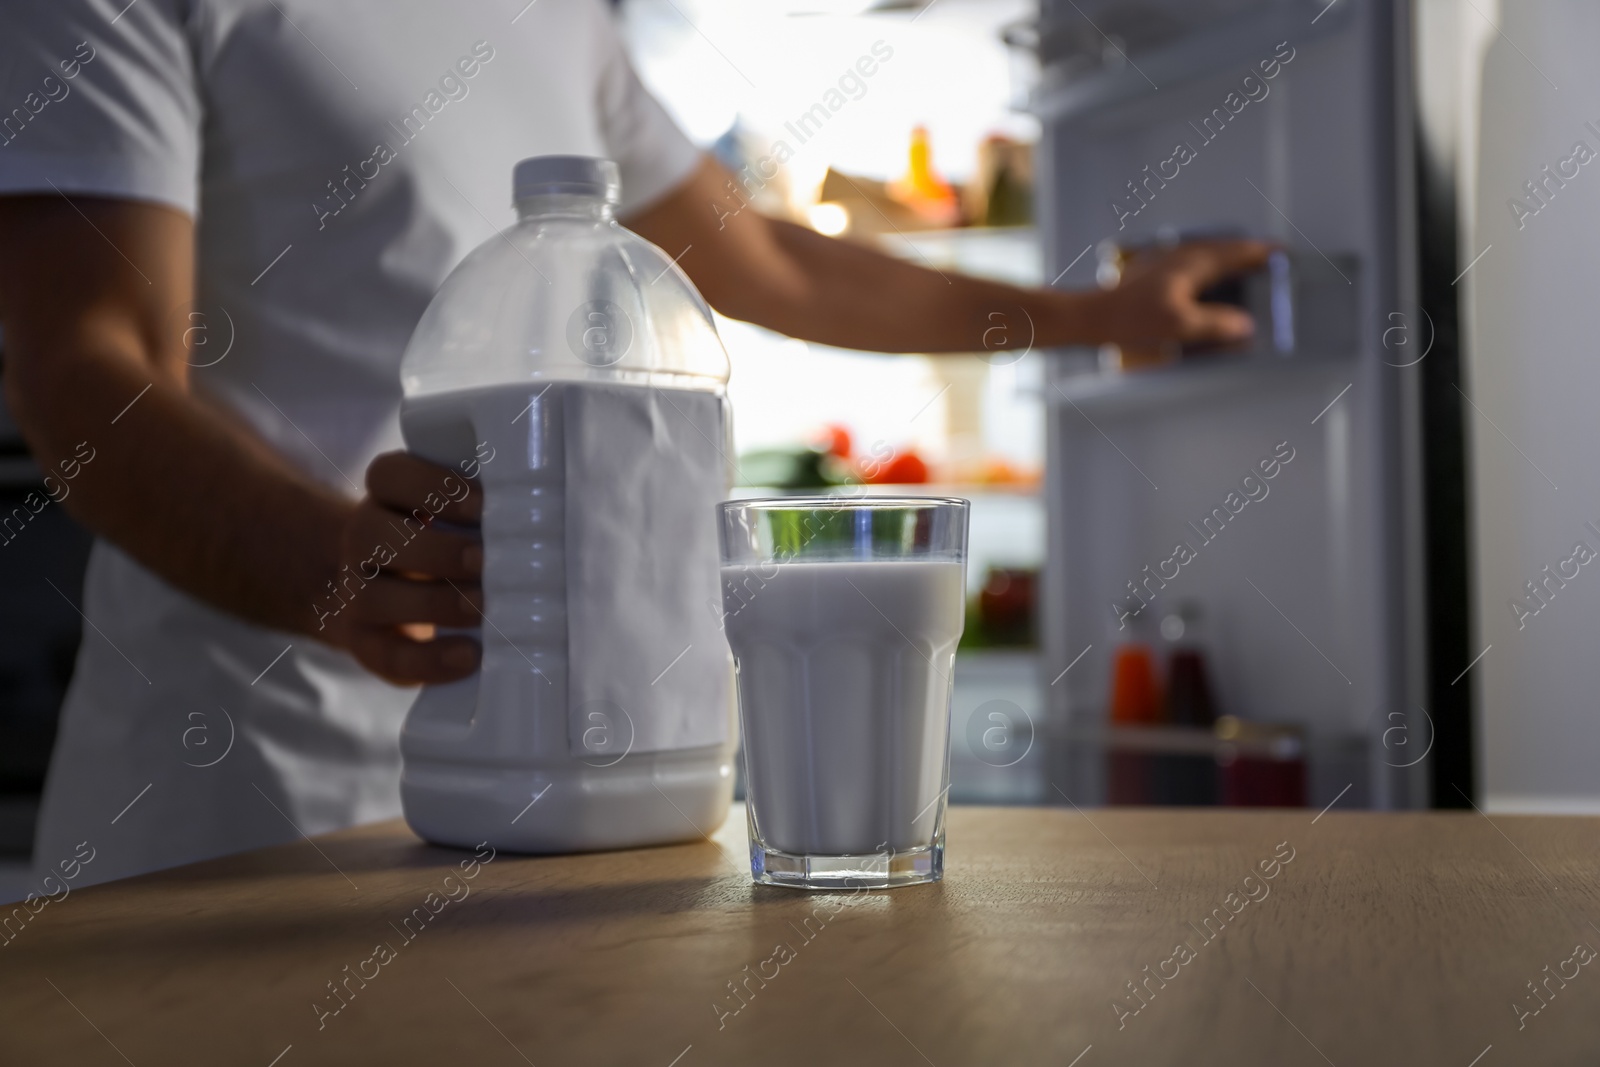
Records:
x=568, y=175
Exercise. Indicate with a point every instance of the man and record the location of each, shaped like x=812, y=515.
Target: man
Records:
x=296, y=177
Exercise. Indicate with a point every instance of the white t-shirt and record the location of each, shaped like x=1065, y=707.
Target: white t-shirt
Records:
x=339, y=157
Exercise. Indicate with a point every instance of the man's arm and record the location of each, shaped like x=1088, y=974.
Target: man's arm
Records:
x=816, y=288
x=93, y=295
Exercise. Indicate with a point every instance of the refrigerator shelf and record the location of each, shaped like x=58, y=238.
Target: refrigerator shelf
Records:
x=1273, y=765
x=1263, y=740
x=1192, y=381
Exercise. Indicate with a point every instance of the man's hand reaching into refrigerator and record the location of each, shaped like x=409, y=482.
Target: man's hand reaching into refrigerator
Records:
x=798, y=282
x=1157, y=301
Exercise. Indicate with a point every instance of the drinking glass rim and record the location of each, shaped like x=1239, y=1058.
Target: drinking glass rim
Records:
x=841, y=503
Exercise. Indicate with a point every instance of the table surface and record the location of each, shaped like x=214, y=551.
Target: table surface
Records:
x=1379, y=938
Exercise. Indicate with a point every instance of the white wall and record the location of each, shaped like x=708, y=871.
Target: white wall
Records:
x=1534, y=371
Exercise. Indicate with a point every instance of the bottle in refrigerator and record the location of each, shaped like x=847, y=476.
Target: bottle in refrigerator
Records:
x=1135, y=702
x=1188, y=694
x=1135, y=692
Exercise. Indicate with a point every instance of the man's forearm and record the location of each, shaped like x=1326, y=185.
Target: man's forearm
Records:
x=789, y=279
x=859, y=298
x=182, y=489
x=793, y=280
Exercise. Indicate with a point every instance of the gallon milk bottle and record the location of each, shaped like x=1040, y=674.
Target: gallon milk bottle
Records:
x=575, y=369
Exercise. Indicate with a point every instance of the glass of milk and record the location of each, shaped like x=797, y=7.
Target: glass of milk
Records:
x=843, y=615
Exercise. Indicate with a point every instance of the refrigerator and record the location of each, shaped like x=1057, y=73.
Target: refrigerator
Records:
x=1304, y=499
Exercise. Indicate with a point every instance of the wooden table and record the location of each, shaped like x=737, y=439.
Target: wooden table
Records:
x=1404, y=939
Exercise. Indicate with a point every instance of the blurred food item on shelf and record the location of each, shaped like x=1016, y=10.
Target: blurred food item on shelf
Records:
x=995, y=472
x=871, y=211
x=1004, y=613
x=1261, y=764
x=1188, y=691
x=903, y=468
x=921, y=188
x=1129, y=777
x=835, y=439
x=1007, y=608
x=959, y=404
x=999, y=195
x=1165, y=744
x=1140, y=764
x=1001, y=192
x=1135, y=702
x=828, y=457
x=848, y=205
x=884, y=466
x=1234, y=763
x=1135, y=692
x=793, y=468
